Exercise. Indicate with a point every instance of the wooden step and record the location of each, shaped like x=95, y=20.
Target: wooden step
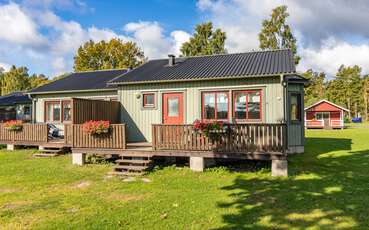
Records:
x=45, y=155
x=131, y=167
x=133, y=161
x=125, y=173
x=50, y=150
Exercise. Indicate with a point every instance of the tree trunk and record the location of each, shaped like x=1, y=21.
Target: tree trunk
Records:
x=365, y=96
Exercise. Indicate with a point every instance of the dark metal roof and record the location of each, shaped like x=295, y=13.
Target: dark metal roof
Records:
x=260, y=63
x=81, y=81
x=15, y=98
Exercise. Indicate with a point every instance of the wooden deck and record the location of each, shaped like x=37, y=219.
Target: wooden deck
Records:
x=241, y=141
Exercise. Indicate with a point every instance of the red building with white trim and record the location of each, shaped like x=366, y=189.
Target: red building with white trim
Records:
x=324, y=114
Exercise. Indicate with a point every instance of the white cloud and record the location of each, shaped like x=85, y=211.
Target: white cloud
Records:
x=59, y=65
x=17, y=27
x=318, y=25
x=179, y=37
x=149, y=36
x=5, y=66
x=333, y=54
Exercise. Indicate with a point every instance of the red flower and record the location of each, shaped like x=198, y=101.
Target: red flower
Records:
x=13, y=124
x=96, y=127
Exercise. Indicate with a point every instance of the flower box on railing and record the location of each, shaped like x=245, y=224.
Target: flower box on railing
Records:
x=13, y=125
x=96, y=128
x=213, y=129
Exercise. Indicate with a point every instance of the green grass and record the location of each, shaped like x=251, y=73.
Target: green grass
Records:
x=328, y=188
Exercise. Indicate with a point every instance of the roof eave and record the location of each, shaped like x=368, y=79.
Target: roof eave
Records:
x=71, y=91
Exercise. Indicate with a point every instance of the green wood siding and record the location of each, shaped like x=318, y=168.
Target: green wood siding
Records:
x=139, y=119
x=296, y=130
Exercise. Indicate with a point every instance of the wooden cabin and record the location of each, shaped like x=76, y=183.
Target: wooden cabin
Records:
x=325, y=115
x=15, y=106
x=258, y=96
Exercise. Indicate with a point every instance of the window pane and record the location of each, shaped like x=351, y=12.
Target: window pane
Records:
x=209, y=106
x=150, y=99
x=240, y=105
x=319, y=116
x=49, y=111
x=295, y=107
x=66, y=111
x=253, y=105
x=27, y=110
x=222, y=106
x=173, y=106
x=56, y=108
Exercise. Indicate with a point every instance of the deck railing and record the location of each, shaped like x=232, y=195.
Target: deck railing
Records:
x=115, y=139
x=30, y=133
x=236, y=138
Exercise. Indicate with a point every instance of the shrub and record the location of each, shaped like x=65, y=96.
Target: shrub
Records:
x=96, y=127
x=13, y=125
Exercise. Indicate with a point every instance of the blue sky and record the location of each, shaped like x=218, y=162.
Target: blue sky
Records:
x=45, y=34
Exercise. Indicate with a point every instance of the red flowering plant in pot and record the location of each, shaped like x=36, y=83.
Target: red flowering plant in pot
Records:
x=96, y=127
x=13, y=125
x=211, y=129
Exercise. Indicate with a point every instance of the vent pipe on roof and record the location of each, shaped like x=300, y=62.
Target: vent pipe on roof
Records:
x=171, y=60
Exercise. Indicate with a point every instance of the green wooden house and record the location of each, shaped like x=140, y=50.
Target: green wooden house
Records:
x=255, y=87
x=258, y=96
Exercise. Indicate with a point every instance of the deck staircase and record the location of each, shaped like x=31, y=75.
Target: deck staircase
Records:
x=131, y=166
x=49, y=152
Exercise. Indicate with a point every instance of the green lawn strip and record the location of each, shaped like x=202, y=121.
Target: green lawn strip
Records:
x=328, y=188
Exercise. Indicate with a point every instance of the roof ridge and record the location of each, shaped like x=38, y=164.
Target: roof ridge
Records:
x=226, y=54
x=99, y=70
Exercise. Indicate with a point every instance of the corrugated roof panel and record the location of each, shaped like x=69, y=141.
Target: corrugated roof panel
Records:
x=226, y=65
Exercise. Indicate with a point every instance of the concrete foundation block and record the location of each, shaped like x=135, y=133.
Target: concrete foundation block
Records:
x=197, y=164
x=41, y=148
x=279, y=168
x=78, y=158
x=10, y=147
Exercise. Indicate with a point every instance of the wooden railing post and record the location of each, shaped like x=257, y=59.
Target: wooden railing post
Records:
x=153, y=137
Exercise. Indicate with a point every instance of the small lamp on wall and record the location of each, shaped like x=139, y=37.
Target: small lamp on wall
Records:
x=138, y=95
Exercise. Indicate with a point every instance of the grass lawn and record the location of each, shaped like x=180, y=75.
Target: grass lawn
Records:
x=328, y=188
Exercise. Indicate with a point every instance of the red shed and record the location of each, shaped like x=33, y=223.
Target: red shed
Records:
x=324, y=114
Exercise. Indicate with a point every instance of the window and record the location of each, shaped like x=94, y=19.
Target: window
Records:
x=27, y=110
x=52, y=111
x=56, y=111
x=322, y=115
x=215, y=106
x=173, y=107
x=148, y=100
x=247, y=105
x=295, y=107
x=67, y=115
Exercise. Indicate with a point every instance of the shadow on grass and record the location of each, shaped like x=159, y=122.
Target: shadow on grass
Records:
x=321, y=194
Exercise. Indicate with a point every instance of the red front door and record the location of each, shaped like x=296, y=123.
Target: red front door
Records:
x=173, y=108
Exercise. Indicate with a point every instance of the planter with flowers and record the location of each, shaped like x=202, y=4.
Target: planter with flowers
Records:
x=96, y=128
x=212, y=129
x=13, y=125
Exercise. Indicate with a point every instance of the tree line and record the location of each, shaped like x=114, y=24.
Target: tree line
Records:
x=18, y=79
x=349, y=88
